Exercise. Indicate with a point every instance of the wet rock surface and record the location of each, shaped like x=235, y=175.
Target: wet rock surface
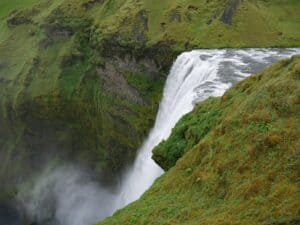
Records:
x=9, y=215
x=230, y=11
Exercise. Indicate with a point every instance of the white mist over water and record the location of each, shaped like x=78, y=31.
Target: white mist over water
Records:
x=79, y=200
x=67, y=195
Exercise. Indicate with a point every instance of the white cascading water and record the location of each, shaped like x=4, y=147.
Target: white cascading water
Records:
x=77, y=199
x=194, y=77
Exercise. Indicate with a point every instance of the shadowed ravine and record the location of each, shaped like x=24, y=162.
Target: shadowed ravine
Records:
x=70, y=196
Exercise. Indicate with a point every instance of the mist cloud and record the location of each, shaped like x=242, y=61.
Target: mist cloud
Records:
x=67, y=196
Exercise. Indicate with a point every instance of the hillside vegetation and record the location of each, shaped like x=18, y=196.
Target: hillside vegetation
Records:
x=237, y=160
x=81, y=80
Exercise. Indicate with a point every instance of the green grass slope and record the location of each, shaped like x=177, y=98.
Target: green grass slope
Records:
x=245, y=167
x=196, y=23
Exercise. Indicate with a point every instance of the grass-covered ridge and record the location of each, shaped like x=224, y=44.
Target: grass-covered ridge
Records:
x=187, y=133
x=244, y=170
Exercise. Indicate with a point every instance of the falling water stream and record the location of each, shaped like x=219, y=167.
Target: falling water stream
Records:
x=195, y=76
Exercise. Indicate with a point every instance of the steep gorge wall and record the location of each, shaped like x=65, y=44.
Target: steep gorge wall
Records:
x=69, y=100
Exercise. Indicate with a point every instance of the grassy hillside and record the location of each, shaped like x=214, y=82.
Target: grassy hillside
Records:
x=245, y=167
x=77, y=75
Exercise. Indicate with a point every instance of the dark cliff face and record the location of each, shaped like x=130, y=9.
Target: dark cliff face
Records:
x=9, y=215
x=90, y=104
x=100, y=123
x=229, y=11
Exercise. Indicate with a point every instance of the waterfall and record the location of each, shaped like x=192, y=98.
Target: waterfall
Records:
x=194, y=77
x=70, y=196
